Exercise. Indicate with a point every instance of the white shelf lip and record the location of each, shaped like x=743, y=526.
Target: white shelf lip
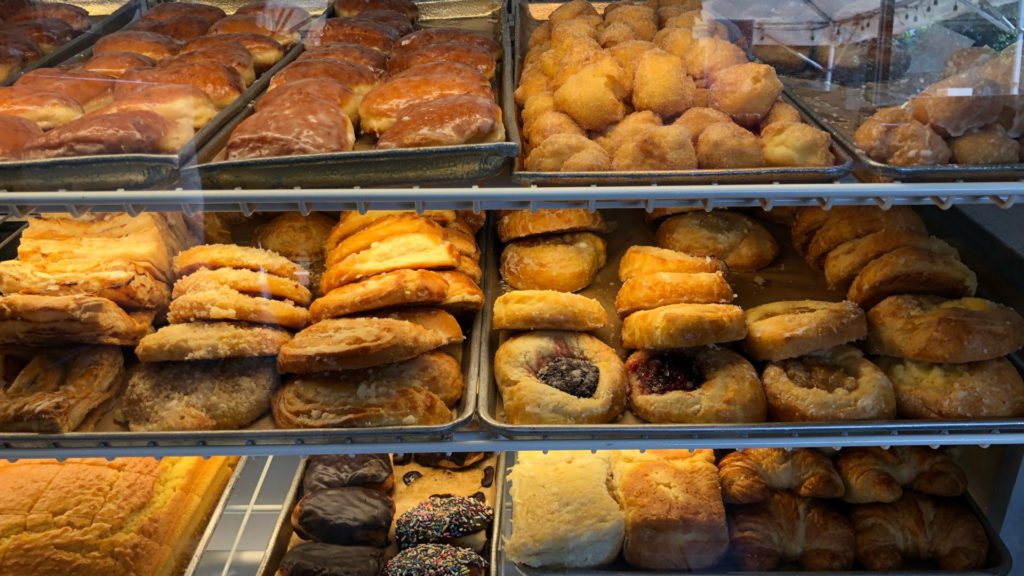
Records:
x=942, y=194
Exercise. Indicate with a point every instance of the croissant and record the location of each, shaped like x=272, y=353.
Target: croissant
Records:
x=751, y=475
x=789, y=529
x=918, y=527
x=875, y=475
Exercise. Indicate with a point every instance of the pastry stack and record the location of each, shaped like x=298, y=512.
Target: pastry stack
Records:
x=556, y=373
x=943, y=349
x=372, y=356
x=149, y=88
x=902, y=508
x=676, y=306
x=653, y=86
x=662, y=509
x=213, y=366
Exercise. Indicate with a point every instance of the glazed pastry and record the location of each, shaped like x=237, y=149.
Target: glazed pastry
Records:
x=341, y=400
x=347, y=343
x=680, y=528
x=247, y=282
x=210, y=341
x=917, y=527
x=705, y=385
x=524, y=223
x=232, y=256
x=836, y=384
x=348, y=516
x=48, y=320
x=872, y=474
x=227, y=304
x=783, y=330
x=643, y=260
x=198, y=395
x=936, y=329
x=566, y=263
x=914, y=271
x=559, y=378
x=453, y=520
x=858, y=222
x=846, y=261
x=387, y=290
x=790, y=529
x=736, y=239
x=363, y=470
x=317, y=559
x=435, y=560
x=663, y=288
x=990, y=389
x=754, y=474
x=683, y=326
x=408, y=251
x=453, y=461
x=547, y=310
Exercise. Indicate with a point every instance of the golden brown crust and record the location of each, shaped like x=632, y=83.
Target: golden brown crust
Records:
x=566, y=263
x=524, y=223
x=360, y=79
x=447, y=121
x=787, y=529
x=754, y=474
x=408, y=251
x=642, y=260
x=224, y=303
x=210, y=341
x=735, y=238
x=351, y=222
x=724, y=145
x=226, y=394
x=547, y=310
x=796, y=144
x=294, y=236
x=347, y=343
x=380, y=230
x=746, y=92
x=935, y=329
x=836, y=384
x=265, y=51
x=857, y=223
x=915, y=271
x=847, y=260
x=48, y=320
x=663, y=288
x=323, y=401
x=248, y=282
x=873, y=474
x=125, y=285
x=232, y=256
x=789, y=329
x=133, y=131
x=255, y=24
x=463, y=294
x=433, y=319
x=391, y=289
x=683, y=326
x=528, y=400
x=729, y=389
x=382, y=106
x=149, y=44
x=990, y=389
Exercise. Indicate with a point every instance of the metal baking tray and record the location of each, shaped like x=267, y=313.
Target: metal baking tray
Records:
x=109, y=433
x=789, y=278
x=281, y=539
x=869, y=170
x=527, y=15
x=467, y=162
x=132, y=171
x=999, y=559
x=104, y=21
x=211, y=524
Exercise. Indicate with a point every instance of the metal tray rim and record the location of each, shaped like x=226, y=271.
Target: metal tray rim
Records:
x=211, y=524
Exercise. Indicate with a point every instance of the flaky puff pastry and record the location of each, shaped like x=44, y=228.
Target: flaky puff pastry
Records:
x=463, y=293
x=347, y=343
x=122, y=283
x=248, y=282
x=548, y=377
x=857, y=222
x=352, y=221
x=294, y=236
x=847, y=260
x=873, y=474
x=517, y=224
x=836, y=384
x=705, y=385
x=912, y=270
x=387, y=227
x=663, y=288
x=387, y=290
x=735, y=238
x=211, y=341
x=789, y=329
x=679, y=326
x=727, y=145
x=643, y=260
x=566, y=263
x=661, y=84
x=754, y=474
x=49, y=320
x=790, y=529
x=989, y=389
x=660, y=148
x=547, y=310
x=332, y=400
x=795, y=144
x=408, y=251
x=232, y=256
x=918, y=527
x=593, y=96
x=224, y=303
x=568, y=153
x=936, y=329
x=746, y=92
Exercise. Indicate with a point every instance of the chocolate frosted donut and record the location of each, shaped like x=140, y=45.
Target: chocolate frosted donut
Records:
x=455, y=461
x=344, y=516
x=365, y=470
x=316, y=559
x=435, y=560
x=445, y=520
